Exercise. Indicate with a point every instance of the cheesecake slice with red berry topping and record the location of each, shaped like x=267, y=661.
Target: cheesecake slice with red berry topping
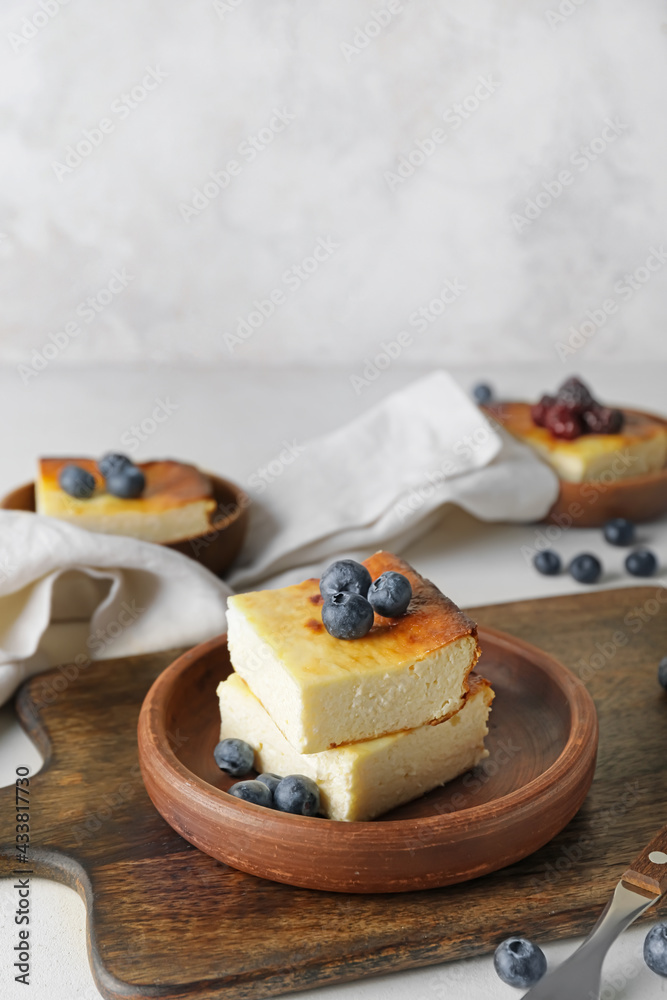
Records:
x=583, y=440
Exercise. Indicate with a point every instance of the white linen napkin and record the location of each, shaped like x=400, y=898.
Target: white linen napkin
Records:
x=382, y=480
x=70, y=595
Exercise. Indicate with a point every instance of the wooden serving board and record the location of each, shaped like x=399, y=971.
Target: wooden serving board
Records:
x=165, y=920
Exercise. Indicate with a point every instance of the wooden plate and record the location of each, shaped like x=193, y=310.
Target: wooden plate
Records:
x=542, y=741
x=216, y=550
x=590, y=504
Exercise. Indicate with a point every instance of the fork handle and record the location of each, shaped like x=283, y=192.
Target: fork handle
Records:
x=648, y=872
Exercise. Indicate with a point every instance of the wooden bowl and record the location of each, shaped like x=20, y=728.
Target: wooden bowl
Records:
x=590, y=504
x=542, y=741
x=216, y=550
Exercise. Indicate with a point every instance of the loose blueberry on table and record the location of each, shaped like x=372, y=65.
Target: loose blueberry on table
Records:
x=585, y=568
x=347, y=576
x=390, y=594
x=619, y=531
x=547, y=562
x=482, y=393
x=641, y=562
x=234, y=756
x=347, y=616
x=77, y=482
x=253, y=791
x=519, y=962
x=655, y=949
x=297, y=794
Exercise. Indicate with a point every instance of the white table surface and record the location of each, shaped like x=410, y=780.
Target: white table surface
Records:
x=233, y=422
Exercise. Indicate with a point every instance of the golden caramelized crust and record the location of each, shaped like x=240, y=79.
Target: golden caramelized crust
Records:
x=289, y=620
x=169, y=484
x=432, y=620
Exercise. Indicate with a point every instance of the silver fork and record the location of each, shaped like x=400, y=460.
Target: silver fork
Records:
x=642, y=885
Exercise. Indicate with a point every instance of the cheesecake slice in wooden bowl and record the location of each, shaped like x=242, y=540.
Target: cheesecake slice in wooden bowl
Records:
x=611, y=462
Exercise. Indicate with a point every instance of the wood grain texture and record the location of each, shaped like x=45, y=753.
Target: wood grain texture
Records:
x=166, y=920
x=542, y=745
x=648, y=872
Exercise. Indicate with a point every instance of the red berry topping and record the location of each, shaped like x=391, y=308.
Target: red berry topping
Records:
x=575, y=394
x=539, y=411
x=563, y=423
x=603, y=420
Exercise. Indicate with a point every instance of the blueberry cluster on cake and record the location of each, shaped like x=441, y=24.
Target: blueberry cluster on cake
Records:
x=584, y=440
x=162, y=501
x=368, y=691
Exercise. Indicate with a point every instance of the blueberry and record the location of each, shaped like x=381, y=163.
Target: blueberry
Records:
x=482, y=393
x=113, y=462
x=234, y=756
x=77, y=482
x=297, y=794
x=128, y=482
x=547, y=562
x=585, y=568
x=519, y=962
x=347, y=616
x=641, y=562
x=270, y=780
x=345, y=575
x=655, y=949
x=390, y=594
x=252, y=791
x=662, y=672
x=619, y=531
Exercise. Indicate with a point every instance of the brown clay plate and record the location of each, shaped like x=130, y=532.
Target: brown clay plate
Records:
x=590, y=504
x=216, y=550
x=542, y=741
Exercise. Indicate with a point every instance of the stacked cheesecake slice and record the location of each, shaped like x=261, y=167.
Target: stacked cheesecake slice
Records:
x=375, y=721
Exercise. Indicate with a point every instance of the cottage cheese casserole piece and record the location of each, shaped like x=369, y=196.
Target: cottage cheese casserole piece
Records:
x=638, y=449
x=362, y=780
x=322, y=692
x=177, y=501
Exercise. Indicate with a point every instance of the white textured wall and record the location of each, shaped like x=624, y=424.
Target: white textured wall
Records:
x=388, y=246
